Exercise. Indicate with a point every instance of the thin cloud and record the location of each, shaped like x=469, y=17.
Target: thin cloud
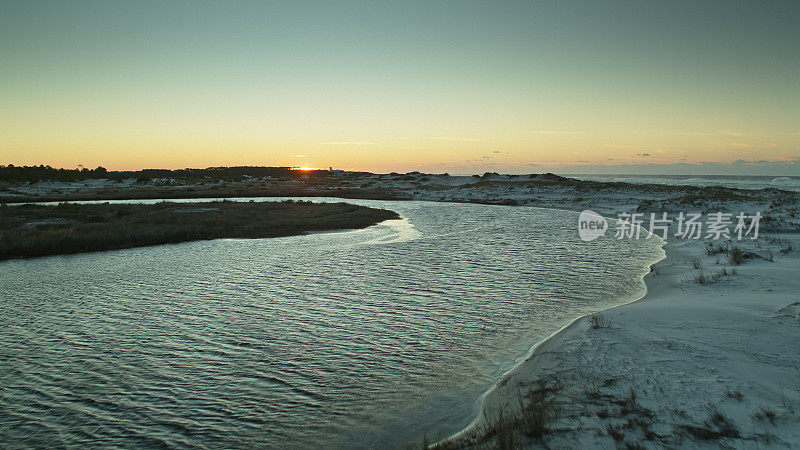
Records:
x=457, y=138
x=558, y=132
x=731, y=133
x=350, y=143
x=690, y=133
x=749, y=145
x=623, y=147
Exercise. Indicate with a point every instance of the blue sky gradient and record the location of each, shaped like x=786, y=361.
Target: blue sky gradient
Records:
x=438, y=86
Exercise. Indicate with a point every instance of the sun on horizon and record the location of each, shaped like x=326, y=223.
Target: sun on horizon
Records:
x=517, y=87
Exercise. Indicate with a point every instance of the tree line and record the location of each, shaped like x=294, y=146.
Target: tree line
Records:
x=43, y=172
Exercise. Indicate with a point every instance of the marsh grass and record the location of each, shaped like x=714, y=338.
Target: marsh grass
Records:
x=37, y=230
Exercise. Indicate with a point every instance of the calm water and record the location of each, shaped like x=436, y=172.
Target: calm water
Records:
x=350, y=339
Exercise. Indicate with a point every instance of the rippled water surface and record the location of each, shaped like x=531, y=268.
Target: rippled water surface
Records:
x=361, y=338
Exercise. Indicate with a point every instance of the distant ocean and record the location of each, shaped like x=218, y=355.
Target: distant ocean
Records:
x=791, y=183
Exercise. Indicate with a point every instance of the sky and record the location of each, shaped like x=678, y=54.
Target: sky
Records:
x=438, y=86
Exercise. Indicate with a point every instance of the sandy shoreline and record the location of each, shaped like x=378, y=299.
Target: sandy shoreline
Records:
x=540, y=348
x=688, y=364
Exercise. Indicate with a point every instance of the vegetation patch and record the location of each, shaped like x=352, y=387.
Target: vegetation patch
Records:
x=599, y=321
x=37, y=230
x=512, y=427
x=717, y=426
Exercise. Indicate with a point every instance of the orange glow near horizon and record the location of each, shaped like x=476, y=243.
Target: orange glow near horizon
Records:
x=474, y=87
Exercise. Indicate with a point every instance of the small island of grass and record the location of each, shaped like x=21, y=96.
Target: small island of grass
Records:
x=38, y=230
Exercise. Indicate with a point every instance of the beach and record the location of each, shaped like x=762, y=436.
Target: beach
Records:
x=706, y=358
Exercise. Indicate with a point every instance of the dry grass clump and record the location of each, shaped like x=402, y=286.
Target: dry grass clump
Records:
x=733, y=393
x=717, y=426
x=701, y=277
x=599, y=321
x=765, y=414
x=511, y=427
x=715, y=249
x=531, y=420
x=736, y=256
